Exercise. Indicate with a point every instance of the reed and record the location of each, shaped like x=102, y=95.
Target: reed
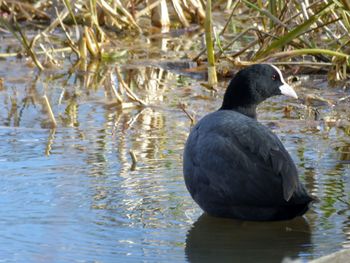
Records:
x=212, y=78
x=320, y=28
x=49, y=111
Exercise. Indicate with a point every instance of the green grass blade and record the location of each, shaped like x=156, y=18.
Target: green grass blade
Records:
x=264, y=12
x=293, y=34
x=17, y=32
x=70, y=10
x=212, y=78
x=311, y=51
x=10, y=28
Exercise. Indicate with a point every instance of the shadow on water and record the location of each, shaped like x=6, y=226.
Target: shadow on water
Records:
x=230, y=240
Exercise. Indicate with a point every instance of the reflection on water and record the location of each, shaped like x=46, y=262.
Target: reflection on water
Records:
x=212, y=238
x=71, y=194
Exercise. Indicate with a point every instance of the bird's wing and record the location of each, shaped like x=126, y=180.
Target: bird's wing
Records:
x=259, y=141
x=242, y=160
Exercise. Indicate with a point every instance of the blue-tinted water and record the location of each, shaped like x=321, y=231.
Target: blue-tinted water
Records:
x=72, y=194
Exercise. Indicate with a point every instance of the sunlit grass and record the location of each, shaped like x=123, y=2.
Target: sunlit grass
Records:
x=278, y=26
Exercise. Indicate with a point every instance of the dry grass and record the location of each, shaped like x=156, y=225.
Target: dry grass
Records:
x=313, y=34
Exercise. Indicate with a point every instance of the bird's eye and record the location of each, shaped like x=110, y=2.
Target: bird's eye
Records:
x=274, y=77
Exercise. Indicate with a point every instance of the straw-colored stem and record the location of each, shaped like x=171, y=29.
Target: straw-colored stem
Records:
x=49, y=111
x=184, y=109
x=65, y=49
x=28, y=47
x=230, y=18
x=129, y=92
x=70, y=41
x=212, y=78
x=92, y=43
x=147, y=9
x=180, y=13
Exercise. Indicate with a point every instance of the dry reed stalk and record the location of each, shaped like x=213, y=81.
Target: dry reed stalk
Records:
x=83, y=48
x=92, y=43
x=147, y=9
x=49, y=111
x=129, y=92
x=160, y=15
x=184, y=109
x=127, y=20
x=180, y=13
x=71, y=44
x=57, y=50
x=114, y=90
x=197, y=5
x=212, y=78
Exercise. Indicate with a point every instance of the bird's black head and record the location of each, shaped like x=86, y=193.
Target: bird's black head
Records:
x=252, y=86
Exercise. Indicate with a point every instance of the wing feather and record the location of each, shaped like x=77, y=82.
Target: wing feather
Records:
x=230, y=153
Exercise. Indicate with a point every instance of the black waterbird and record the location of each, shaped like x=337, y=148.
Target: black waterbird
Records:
x=236, y=167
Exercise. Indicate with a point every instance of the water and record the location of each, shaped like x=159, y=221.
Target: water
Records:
x=73, y=194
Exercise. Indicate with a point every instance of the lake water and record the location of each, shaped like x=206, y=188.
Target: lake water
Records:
x=73, y=194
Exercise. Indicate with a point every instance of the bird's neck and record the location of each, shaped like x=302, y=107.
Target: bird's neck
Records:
x=240, y=100
x=248, y=110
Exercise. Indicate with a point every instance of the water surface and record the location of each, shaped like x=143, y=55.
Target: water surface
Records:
x=73, y=194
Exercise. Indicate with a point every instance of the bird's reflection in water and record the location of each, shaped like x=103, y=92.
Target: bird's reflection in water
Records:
x=214, y=239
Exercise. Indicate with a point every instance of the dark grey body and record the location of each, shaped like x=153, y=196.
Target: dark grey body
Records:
x=236, y=167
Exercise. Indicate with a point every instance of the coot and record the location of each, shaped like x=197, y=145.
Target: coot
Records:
x=236, y=167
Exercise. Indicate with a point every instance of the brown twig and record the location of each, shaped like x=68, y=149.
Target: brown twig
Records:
x=182, y=106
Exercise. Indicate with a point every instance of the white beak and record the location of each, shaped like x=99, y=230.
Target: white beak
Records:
x=288, y=91
x=285, y=88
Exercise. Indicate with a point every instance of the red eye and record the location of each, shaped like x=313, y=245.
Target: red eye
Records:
x=274, y=77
